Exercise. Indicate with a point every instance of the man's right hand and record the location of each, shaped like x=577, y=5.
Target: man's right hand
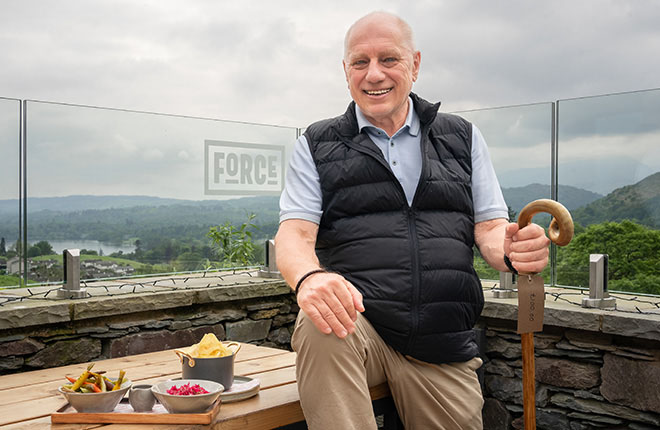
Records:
x=331, y=302
x=328, y=299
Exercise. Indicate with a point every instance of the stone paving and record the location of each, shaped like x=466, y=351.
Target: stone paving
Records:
x=555, y=296
x=151, y=284
x=572, y=297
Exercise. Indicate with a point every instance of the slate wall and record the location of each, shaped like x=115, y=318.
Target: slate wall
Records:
x=263, y=321
x=584, y=380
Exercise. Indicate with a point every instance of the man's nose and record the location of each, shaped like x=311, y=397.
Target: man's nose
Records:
x=374, y=72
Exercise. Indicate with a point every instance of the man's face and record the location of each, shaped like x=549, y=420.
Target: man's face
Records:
x=380, y=70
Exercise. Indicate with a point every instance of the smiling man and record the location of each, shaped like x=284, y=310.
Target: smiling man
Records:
x=381, y=65
x=378, y=219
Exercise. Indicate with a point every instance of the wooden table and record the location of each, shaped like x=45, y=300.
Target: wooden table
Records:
x=27, y=399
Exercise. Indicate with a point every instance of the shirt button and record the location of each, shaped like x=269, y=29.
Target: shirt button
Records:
x=393, y=163
x=391, y=143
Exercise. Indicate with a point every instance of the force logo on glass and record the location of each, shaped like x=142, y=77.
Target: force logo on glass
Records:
x=242, y=168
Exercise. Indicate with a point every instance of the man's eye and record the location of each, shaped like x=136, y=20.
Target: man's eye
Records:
x=390, y=60
x=359, y=63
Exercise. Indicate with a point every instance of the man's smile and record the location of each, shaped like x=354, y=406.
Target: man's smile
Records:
x=378, y=92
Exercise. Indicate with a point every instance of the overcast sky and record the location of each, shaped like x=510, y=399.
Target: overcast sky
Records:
x=279, y=62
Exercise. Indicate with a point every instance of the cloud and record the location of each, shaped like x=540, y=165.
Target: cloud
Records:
x=514, y=127
x=280, y=63
x=153, y=155
x=619, y=114
x=643, y=148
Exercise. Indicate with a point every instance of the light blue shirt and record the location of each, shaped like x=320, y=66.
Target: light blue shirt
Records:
x=302, y=198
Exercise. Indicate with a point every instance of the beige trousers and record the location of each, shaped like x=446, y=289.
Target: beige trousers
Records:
x=334, y=376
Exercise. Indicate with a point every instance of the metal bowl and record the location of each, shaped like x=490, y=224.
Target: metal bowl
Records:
x=96, y=402
x=198, y=403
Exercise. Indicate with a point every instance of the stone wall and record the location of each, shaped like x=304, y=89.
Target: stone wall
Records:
x=584, y=379
x=266, y=320
x=594, y=369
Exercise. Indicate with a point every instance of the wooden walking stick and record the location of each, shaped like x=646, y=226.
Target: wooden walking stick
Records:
x=531, y=296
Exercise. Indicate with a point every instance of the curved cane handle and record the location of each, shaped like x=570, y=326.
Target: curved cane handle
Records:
x=561, y=226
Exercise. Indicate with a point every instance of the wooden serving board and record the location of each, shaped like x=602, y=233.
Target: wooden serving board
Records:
x=124, y=414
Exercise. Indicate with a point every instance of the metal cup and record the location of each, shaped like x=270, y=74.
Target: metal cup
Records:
x=217, y=369
x=141, y=398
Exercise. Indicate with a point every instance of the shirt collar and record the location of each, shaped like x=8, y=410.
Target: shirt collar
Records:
x=412, y=120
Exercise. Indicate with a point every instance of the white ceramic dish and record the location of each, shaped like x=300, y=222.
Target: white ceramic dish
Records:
x=176, y=404
x=106, y=401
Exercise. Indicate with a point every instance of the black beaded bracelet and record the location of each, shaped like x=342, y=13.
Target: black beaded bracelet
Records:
x=509, y=265
x=307, y=275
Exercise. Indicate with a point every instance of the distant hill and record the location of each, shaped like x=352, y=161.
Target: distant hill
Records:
x=569, y=196
x=117, y=218
x=639, y=202
x=603, y=176
x=110, y=219
x=82, y=202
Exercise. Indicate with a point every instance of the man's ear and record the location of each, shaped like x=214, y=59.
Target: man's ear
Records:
x=343, y=65
x=417, y=59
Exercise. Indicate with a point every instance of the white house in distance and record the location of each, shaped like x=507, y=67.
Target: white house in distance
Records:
x=14, y=265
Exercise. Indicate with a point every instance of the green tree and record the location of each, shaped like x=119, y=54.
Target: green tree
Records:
x=34, y=251
x=633, y=251
x=45, y=247
x=40, y=248
x=234, y=245
x=512, y=214
x=483, y=269
x=138, y=248
x=3, y=249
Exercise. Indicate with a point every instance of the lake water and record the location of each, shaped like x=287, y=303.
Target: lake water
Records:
x=95, y=245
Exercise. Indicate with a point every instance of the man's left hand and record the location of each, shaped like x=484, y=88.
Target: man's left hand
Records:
x=527, y=248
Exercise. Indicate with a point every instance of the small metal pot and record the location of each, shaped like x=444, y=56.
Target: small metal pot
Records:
x=217, y=369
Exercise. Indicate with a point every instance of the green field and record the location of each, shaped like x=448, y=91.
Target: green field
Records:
x=9, y=280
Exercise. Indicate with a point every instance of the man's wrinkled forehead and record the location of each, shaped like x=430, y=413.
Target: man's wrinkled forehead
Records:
x=379, y=26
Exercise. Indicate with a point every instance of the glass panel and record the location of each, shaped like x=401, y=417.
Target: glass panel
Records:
x=9, y=191
x=519, y=140
x=140, y=191
x=609, y=156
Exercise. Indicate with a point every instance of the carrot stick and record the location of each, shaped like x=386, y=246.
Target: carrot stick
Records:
x=120, y=379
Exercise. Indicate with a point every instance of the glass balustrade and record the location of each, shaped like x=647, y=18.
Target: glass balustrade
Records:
x=143, y=193
x=609, y=167
x=519, y=141
x=10, y=261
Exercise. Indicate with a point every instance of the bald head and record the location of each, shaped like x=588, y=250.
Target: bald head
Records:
x=385, y=19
